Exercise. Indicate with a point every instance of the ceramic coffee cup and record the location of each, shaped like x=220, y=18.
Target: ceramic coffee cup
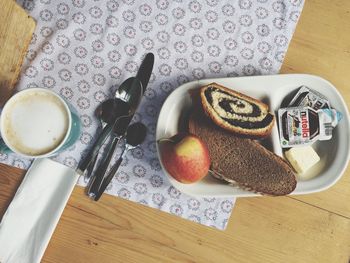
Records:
x=38, y=123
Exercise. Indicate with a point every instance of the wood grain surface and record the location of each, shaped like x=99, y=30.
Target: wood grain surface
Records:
x=16, y=29
x=313, y=228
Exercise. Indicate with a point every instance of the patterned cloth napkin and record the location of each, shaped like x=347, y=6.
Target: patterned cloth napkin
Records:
x=84, y=49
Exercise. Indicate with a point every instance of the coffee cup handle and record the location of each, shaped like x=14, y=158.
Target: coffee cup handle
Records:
x=3, y=147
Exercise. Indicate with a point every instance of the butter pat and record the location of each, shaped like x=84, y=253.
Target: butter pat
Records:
x=302, y=158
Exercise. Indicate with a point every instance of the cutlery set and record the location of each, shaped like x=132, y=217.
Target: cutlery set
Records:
x=115, y=116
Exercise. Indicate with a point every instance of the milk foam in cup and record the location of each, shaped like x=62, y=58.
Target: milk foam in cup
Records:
x=38, y=123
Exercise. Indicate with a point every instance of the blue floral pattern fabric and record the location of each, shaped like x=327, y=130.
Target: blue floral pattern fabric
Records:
x=84, y=49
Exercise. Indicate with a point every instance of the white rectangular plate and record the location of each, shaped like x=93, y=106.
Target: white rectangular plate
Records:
x=272, y=90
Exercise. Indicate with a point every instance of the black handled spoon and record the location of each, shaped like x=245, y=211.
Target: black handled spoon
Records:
x=135, y=135
x=119, y=129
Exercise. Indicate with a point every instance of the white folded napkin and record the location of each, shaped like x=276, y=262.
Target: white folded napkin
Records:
x=31, y=218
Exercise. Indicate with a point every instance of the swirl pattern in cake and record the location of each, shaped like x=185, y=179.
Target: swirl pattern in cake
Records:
x=236, y=112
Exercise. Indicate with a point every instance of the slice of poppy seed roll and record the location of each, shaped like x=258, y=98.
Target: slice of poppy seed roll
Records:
x=236, y=112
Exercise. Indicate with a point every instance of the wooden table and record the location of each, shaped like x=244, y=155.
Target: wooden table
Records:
x=305, y=229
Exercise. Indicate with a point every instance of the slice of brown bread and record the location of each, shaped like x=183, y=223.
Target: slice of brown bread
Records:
x=242, y=161
x=236, y=112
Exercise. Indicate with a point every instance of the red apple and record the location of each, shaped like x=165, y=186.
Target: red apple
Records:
x=185, y=157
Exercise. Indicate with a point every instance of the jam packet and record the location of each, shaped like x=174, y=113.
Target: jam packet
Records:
x=307, y=97
x=305, y=125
